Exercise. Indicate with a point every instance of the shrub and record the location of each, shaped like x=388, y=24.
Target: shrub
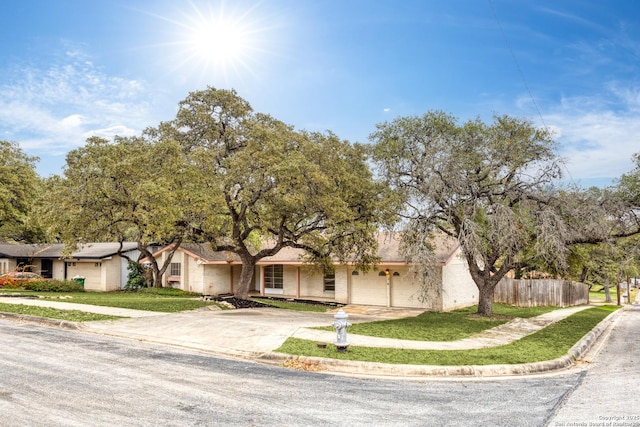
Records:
x=10, y=283
x=136, y=278
x=52, y=285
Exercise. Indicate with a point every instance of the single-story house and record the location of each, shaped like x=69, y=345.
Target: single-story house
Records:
x=100, y=264
x=196, y=268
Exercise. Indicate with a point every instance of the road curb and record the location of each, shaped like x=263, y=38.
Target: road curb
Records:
x=580, y=348
x=403, y=370
x=44, y=321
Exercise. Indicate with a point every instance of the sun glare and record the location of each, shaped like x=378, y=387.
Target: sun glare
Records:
x=218, y=40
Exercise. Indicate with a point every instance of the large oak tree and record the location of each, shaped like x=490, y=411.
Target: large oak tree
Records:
x=122, y=190
x=269, y=186
x=487, y=185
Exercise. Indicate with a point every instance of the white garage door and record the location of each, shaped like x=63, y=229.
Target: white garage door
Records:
x=369, y=289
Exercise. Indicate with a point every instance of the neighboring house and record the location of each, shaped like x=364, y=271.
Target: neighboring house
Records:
x=98, y=263
x=196, y=268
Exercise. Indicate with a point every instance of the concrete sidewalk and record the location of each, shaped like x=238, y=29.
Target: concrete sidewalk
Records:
x=255, y=333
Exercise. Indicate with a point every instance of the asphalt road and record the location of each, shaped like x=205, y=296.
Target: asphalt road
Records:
x=608, y=395
x=54, y=377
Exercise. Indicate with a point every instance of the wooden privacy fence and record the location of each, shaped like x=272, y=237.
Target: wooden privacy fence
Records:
x=541, y=292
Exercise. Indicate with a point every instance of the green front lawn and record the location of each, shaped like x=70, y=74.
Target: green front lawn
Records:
x=53, y=313
x=549, y=343
x=167, y=301
x=449, y=326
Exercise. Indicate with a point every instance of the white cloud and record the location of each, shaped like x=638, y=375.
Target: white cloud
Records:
x=72, y=121
x=54, y=108
x=596, y=139
x=110, y=132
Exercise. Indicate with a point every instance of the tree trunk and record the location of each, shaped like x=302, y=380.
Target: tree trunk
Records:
x=156, y=271
x=246, y=278
x=486, y=284
x=485, y=300
x=607, y=294
x=157, y=277
x=583, y=274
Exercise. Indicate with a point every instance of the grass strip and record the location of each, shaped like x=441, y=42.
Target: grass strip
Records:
x=53, y=313
x=448, y=326
x=547, y=344
x=132, y=300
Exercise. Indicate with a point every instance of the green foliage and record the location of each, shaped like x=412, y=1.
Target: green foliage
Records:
x=136, y=278
x=629, y=183
x=547, y=344
x=52, y=285
x=222, y=173
x=490, y=186
x=19, y=188
x=265, y=186
x=131, y=189
x=606, y=264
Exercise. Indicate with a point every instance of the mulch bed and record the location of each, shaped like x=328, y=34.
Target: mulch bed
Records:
x=240, y=303
x=250, y=303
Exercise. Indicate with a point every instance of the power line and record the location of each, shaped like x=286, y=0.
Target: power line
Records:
x=504, y=35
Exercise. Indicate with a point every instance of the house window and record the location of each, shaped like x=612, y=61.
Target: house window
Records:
x=273, y=275
x=71, y=264
x=97, y=264
x=175, y=269
x=23, y=264
x=330, y=282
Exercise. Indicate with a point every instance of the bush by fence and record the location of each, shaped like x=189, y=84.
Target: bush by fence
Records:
x=541, y=292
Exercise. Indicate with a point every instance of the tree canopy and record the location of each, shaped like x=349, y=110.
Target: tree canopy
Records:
x=19, y=187
x=125, y=190
x=488, y=185
x=629, y=185
x=269, y=186
x=221, y=173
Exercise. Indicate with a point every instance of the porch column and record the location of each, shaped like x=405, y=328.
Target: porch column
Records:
x=230, y=278
x=262, y=280
x=387, y=273
x=298, y=282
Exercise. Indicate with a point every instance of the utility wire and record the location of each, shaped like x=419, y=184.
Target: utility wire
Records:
x=504, y=35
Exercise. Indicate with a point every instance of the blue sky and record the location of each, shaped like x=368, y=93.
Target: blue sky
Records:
x=70, y=69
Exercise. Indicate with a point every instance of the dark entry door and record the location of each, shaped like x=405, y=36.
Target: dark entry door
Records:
x=46, y=268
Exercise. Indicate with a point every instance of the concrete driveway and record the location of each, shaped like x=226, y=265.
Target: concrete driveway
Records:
x=246, y=333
